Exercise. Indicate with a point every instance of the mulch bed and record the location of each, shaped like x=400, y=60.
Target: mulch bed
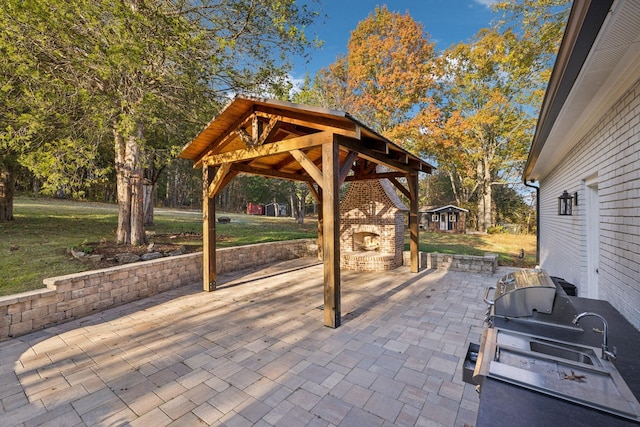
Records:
x=163, y=243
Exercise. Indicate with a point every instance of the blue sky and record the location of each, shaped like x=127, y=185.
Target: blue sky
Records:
x=446, y=21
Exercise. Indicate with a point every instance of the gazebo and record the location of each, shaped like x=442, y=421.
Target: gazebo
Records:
x=323, y=148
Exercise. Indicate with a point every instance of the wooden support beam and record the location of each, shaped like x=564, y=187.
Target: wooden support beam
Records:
x=269, y=130
x=209, y=273
x=367, y=177
x=372, y=155
x=223, y=140
x=256, y=126
x=302, y=142
x=313, y=191
x=330, y=232
x=308, y=166
x=320, y=223
x=333, y=125
x=216, y=183
x=241, y=167
x=400, y=187
x=246, y=138
x=346, y=166
x=414, y=238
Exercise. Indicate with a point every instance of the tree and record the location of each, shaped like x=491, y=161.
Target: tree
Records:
x=17, y=122
x=488, y=92
x=386, y=74
x=511, y=207
x=140, y=63
x=485, y=128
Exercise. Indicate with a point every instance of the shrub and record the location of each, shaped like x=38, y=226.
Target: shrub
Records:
x=496, y=229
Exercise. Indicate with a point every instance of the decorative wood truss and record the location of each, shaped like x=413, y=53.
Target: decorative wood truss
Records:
x=321, y=147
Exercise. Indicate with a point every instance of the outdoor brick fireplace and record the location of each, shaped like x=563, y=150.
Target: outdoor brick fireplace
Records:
x=371, y=227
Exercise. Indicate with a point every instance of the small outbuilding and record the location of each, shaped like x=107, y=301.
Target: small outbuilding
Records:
x=255, y=209
x=445, y=219
x=275, y=209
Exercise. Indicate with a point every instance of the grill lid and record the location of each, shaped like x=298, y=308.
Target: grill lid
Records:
x=523, y=292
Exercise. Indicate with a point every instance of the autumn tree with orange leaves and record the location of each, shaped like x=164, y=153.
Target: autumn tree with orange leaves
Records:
x=471, y=109
x=482, y=135
x=386, y=75
x=489, y=91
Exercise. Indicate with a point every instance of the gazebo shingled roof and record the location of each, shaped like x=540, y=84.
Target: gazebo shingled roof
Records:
x=319, y=146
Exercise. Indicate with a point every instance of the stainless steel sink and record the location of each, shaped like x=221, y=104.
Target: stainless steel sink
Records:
x=564, y=370
x=571, y=353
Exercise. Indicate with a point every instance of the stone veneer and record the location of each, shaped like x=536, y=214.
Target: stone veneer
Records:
x=372, y=207
x=76, y=295
x=486, y=264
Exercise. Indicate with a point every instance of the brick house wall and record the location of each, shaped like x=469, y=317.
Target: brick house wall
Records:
x=609, y=155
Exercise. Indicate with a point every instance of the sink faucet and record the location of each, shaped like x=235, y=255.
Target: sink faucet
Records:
x=606, y=354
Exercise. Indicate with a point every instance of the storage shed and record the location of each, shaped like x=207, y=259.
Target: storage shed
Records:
x=276, y=209
x=445, y=219
x=255, y=209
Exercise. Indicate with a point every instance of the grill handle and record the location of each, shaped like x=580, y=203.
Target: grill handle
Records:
x=486, y=295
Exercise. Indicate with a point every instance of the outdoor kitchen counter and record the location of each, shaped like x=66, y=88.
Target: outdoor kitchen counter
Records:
x=503, y=404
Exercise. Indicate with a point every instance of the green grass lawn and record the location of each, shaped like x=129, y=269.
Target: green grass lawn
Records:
x=507, y=246
x=35, y=245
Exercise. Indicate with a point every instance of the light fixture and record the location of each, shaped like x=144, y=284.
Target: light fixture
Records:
x=565, y=203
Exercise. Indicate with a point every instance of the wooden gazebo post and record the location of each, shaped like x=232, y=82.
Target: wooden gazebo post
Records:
x=330, y=234
x=209, y=274
x=414, y=242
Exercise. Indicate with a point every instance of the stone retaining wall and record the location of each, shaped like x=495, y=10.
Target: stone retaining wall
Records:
x=76, y=295
x=486, y=264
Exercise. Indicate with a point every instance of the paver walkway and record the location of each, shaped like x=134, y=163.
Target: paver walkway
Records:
x=255, y=352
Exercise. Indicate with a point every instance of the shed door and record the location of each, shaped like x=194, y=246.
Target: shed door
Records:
x=443, y=221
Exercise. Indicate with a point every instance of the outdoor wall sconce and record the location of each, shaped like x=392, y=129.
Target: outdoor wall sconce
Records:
x=565, y=202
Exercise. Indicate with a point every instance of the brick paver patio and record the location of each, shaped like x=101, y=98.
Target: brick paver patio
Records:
x=255, y=352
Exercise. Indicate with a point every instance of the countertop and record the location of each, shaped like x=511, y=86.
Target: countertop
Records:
x=503, y=404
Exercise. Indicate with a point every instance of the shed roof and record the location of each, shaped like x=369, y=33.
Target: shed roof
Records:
x=431, y=209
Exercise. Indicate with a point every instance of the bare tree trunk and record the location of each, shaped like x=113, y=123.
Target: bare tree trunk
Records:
x=129, y=188
x=300, y=213
x=484, y=201
x=454, y=188
x=123, y=190
x=36, y=187
x=149, y=202
x=138, y=235
x=7, y=188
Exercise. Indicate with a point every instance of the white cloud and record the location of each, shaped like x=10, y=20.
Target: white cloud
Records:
x=297, y=83
x=487, y=3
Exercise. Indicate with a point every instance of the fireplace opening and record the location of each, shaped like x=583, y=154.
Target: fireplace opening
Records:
x=366, y=241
